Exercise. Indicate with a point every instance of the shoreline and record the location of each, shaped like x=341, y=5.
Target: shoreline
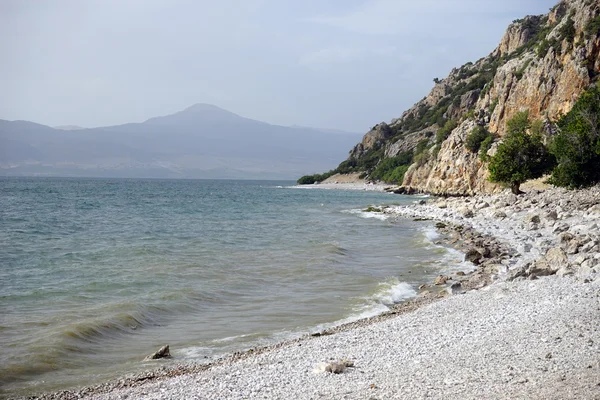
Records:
x=469, y=224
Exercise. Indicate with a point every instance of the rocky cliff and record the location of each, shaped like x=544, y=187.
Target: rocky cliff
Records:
x=542, y=64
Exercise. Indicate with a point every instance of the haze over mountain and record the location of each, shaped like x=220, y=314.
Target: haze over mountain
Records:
x=202, y=141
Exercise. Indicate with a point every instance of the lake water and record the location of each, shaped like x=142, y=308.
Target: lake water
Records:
x=97, y=273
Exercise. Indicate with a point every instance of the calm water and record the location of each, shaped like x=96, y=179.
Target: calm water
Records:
x=95, y=274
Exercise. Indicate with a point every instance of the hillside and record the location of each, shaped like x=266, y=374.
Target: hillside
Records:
x=202, y=141
x=542, y=65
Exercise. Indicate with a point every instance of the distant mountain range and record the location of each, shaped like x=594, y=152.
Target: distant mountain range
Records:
x=202, y=141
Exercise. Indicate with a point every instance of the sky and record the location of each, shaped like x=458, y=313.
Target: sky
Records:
x=337, y=64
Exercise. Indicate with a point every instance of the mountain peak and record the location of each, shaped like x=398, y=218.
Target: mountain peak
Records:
x=204, y=107
x=196, y=112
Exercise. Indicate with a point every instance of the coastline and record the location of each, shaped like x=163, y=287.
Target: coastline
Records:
x=439, y=342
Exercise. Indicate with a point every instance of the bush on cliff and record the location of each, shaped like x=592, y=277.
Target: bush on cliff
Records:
x=577, y=145
x=477, y=136
x=310, y=179
x=387, y=170
x=520, y=156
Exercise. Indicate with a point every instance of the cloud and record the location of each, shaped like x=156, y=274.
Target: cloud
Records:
x=342, y=55
x=396, y=17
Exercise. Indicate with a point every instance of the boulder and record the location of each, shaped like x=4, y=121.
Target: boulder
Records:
x=441, y=280
x=456, y=288
x=163, y=352
x=499, y=214
x=541, y=268
x=532, y=219
x=566, y=270
x=466, y=212
x=473, y=255
x=552, y=216
x=558, y=228
x=566, y=237
x=573, y=247
x=482, y=205
x=556, y=258
x=339, y=366
x=520, y=272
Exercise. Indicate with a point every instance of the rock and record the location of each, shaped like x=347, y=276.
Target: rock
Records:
x=460, y=273
x=466, y=212
x=580, y=229
x=585, y=272
x=499, y=214
x=552, y=216
x=163, y=352
x=541, y=268
x=339, y=366
x=423, y=286
x=579, y=260
x=588, y=247
x=441, y=280
x=422, y=202
x=566, y=237
x=511, y=199
x=594, y=209
x=565, y=270
x=474, y=256
x=556, y=258
x=456, y=288
x=573, y=247
x=481, y=206
x=532, y=219
x=562, y=227
x=520, y=272
x=442, y=204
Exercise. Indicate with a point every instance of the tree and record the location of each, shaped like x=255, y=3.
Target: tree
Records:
x=577, y=145
x=520, y=156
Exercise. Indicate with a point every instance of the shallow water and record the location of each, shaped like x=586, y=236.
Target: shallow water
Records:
x=97, y=273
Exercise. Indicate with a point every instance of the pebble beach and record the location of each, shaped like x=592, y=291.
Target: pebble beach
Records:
x=525, y=324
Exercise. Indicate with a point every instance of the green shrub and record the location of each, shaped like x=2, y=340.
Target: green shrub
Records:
x=316, y=178
x=493, y=105
x=567, y=31
x=388, y=165
x=520, y=156
x=397, y=175
x=486, y=144
x=443, y=133
x=577, y=146
x=477, y=136
x=593, y=27
x=519, y=73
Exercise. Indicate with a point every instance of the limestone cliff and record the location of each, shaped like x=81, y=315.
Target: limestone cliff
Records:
x=542, y=64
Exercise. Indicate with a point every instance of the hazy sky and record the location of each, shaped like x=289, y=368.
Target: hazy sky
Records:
x=344, y=64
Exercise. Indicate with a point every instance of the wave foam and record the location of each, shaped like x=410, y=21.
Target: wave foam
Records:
x=367, y=214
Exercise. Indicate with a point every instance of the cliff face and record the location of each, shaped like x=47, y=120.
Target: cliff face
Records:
x=542, y=65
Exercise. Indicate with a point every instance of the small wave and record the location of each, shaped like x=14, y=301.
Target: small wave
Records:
x=388, y=293
x=334, y=248
x=367, y=214
x=394, y=292
x=431, y=234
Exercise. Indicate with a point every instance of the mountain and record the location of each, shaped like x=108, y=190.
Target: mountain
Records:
x=202, y=141
x=68, y=127
x=542, y=65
